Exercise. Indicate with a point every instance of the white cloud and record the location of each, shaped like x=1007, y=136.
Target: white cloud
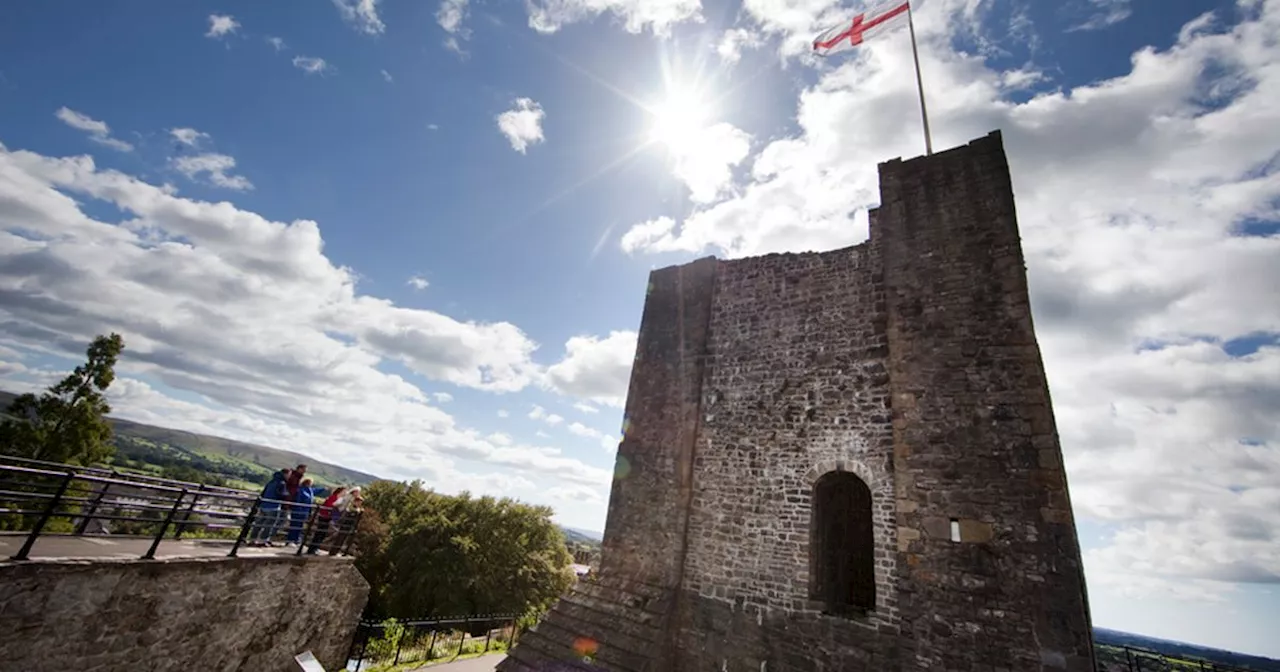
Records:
x=452, y=43
x=656, y=235
x=188, y=136
x=586, y=408
x=98, y=131
x=221, y=26
x=608, y=442
x=1104, y=13
x=502, y=413
x=658, y=16
x=1131, y=192
x=215, y=167
x=705, y=162
x=248, y=317
x=581, y=494
x=276, y=43
x=540, y=413
x=1022, y=78
x=362, y=15
x=442, y=397
x=82, y=122
x=595, y=369
x=522, y=124
x=311, y=64
x=387, y=77
x=418, y=282
x=734, y=41
x=450, y=16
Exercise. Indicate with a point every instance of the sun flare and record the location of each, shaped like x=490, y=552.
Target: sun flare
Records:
x=679, y=119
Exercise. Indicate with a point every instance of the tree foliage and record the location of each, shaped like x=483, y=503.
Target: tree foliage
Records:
x=443, y=555
x=68, y=422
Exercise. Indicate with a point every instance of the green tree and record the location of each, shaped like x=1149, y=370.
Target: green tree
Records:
x=443, y=555
x=67, y=423
x=191, y=474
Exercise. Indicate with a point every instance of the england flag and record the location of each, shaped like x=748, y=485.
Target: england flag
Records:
x=870, y=23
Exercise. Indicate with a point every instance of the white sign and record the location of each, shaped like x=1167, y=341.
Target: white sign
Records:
x=308, y=662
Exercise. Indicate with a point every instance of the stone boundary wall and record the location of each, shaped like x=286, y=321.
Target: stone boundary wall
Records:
x=178, y=615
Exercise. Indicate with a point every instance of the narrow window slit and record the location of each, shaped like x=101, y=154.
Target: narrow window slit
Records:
x=955, y=530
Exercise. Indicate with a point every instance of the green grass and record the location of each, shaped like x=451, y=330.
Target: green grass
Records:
x=1116, y=655
x=422, y=665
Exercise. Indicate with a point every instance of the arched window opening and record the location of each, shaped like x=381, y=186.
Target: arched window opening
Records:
x=842, y=545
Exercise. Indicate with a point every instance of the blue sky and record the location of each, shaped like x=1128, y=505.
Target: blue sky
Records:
x=413, y=238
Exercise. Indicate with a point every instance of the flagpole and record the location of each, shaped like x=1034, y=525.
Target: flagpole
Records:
x=924, y=113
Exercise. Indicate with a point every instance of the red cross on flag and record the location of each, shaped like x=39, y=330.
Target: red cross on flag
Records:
x=870, y=23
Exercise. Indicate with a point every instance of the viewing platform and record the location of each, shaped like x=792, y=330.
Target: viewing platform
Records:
x=97, y=547
x=62, y=511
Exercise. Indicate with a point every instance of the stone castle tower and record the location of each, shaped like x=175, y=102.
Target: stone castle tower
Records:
x=841, y=461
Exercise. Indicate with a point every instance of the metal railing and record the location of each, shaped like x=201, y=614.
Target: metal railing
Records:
x=394, y=642
x=1124, y=658
x=42, y=500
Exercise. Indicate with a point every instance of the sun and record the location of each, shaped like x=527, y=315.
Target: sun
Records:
x=679, y=119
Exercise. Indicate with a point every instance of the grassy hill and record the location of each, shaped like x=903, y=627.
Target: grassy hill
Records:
x=151, y=449
x=1163, y=654
x=581, y=536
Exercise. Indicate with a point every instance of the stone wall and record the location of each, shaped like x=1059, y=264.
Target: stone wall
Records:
x=974, y=434
x=909, y=360
x=644, y=533
x=797, y=386
x=178, y=615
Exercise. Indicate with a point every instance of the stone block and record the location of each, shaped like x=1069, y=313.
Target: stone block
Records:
x=936, y=528
x=975, y=531
x=1057, y=516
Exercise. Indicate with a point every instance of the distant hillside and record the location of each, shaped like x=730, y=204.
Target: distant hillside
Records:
x=588, y=537
x=1189, y=656
x=246, y=464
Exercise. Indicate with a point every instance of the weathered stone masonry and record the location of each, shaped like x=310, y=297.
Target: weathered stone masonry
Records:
x=909, y=360
x=177, y=615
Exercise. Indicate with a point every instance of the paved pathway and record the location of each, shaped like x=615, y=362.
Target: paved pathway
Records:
x=107, y=546
x=481, y=664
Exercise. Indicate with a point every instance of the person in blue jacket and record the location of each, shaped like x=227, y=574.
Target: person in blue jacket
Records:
x=270, y=511
x=298, y=514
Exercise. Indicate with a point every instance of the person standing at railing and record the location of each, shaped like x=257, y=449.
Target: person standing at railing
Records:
x=302, y=501
x=323, y=518
x=270, y=511
x=294, y=481
x=349, y=509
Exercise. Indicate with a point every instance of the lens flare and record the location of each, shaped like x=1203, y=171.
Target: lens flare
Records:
x=621, y=468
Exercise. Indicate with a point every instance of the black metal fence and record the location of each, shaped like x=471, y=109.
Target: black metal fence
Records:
x=43, y=500
x=391, y=642
x=1117, y=658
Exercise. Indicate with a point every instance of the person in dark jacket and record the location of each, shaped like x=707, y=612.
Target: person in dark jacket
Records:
x=270, y=513
x=295, y=480
x=301, y=510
